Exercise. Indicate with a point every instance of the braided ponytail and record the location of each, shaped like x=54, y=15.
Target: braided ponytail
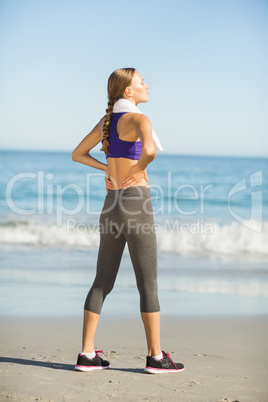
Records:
x=106, y=126
x=117, y=83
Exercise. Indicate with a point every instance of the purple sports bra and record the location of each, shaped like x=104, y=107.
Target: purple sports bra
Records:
x=120, y=148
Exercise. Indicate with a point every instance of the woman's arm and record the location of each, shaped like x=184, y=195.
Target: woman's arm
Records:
x=148, y=153
x=81, y=152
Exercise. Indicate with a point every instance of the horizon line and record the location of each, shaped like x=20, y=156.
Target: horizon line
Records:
x=160, y=153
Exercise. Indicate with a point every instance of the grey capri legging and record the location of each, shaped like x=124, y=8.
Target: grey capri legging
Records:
x=127, y=216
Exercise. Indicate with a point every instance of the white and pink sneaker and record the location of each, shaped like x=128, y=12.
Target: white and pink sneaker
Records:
x=164, y=365
x=84, y=363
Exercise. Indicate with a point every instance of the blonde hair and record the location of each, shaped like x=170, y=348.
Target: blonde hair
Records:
x=118, y=81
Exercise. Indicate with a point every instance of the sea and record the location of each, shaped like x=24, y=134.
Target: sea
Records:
x=211, y=223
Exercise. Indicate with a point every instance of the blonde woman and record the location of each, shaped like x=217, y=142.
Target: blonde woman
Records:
x=126, y=217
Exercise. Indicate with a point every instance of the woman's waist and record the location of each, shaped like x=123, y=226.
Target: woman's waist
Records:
x=135, y=190
x=140, y=183
x=119, y=168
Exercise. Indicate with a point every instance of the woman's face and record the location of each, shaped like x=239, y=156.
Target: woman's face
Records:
x=138, y=88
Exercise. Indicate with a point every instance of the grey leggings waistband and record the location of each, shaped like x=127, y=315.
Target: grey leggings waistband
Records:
x=129, y=192
x=126, y=217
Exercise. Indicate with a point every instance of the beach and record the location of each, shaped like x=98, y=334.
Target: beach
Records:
x=212, y=282
x=225, y=360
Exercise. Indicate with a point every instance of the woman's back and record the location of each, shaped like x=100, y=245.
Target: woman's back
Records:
x=127, y=129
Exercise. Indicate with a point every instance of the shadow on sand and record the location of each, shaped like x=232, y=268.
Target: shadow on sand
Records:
x=57, y=366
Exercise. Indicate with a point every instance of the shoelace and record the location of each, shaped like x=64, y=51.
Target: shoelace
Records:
x=168, y=355
x=99, y=351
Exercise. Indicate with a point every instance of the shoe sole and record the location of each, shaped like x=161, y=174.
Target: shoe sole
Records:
x=150, y=370
x=85, y=368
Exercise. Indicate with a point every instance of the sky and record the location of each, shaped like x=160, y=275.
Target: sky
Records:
x=205, y=62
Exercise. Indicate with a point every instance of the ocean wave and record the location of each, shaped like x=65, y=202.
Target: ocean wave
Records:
x=222, y=239
x=228, y=239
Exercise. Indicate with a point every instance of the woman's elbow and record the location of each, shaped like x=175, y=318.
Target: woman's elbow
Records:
x=75, y=156
x=151, y=153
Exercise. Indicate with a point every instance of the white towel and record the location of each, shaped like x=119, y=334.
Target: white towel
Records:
x=126, y=106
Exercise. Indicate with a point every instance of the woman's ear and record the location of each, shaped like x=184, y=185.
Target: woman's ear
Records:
x=128, y=92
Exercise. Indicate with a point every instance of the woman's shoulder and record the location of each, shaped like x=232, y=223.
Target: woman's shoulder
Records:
x=138, y=118
x=138, y=122
x=142, y=122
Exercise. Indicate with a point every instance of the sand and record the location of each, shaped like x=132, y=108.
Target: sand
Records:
x=225, y=360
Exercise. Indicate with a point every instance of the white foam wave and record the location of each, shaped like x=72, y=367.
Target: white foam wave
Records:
x=227, y=239
x=47, y=234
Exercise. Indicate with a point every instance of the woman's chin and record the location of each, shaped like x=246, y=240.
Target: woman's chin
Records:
x=144, y=100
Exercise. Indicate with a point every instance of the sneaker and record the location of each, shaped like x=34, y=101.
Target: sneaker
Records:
x=96, y=363
x=165, y=365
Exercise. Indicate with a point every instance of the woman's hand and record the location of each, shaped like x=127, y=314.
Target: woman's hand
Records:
x=109, y=184
x=135, y=175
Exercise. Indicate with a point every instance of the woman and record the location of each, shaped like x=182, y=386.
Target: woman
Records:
x=127, y=216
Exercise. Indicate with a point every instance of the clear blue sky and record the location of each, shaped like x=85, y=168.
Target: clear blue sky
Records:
x=204, y=60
